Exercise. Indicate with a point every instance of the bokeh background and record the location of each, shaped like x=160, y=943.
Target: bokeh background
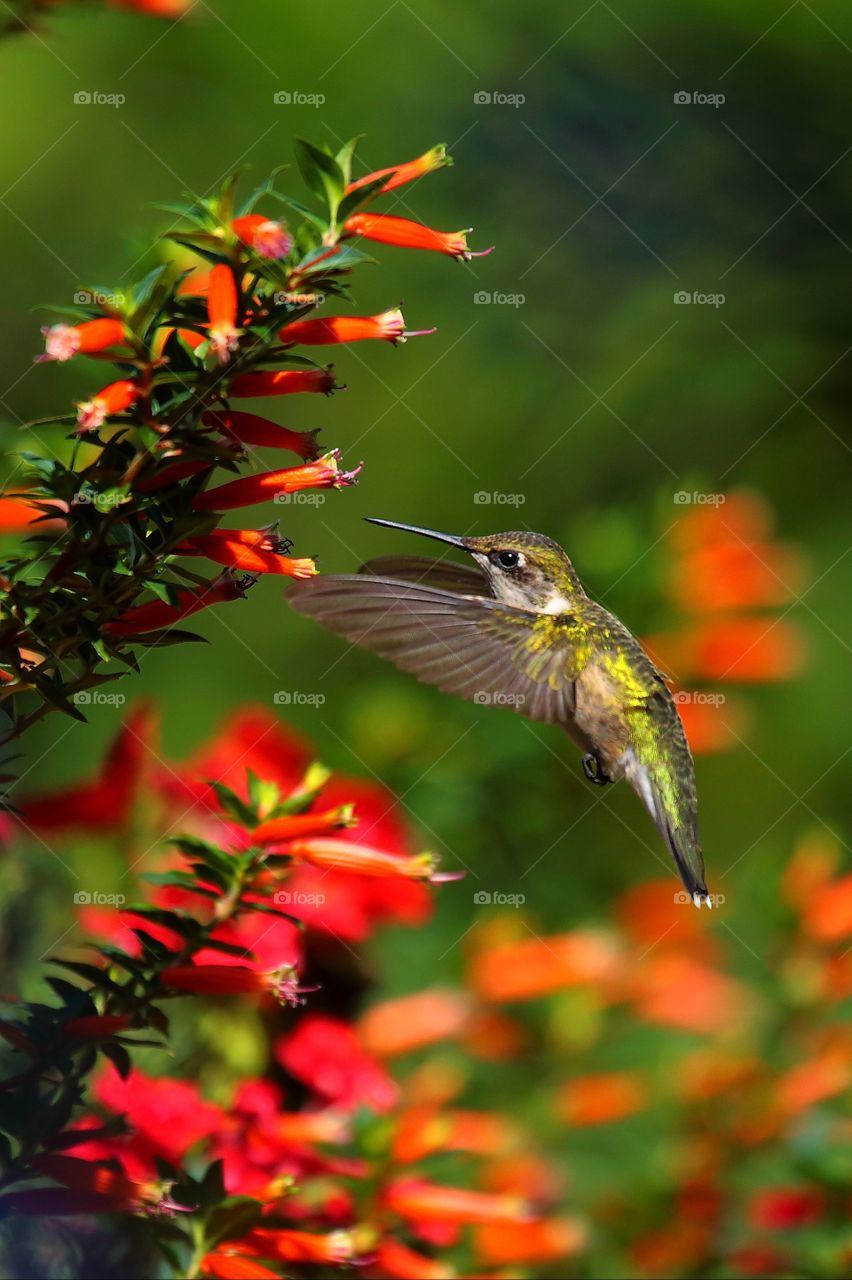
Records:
x=580, y=398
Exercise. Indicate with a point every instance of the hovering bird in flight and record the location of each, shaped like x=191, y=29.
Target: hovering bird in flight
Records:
x=517, y=629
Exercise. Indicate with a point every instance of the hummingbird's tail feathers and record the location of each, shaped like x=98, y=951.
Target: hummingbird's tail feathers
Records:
x=681, y=837
x=444, y=574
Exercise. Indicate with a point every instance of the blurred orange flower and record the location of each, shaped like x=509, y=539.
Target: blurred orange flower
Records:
x=524, y=970
x=601, y=1098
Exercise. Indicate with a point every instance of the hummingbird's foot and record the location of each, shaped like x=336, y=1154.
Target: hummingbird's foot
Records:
x=594, y=770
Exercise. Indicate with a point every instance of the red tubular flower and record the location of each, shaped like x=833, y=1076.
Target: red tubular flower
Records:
x=62, y=341
x=222, y=312
x=325, y=473
x=422, y=1201
x=115, y=398
x=248, y=428
x=434, y=158
x=249, y=550
x=117, y=1189
x=294, y=826
x=266, y=236
x=346, y=855
x=282, y=382
x=172, y=475
x=156, y=614
x=97, y=1026
x=384, y=228
x=236, y=980
x=389, y=325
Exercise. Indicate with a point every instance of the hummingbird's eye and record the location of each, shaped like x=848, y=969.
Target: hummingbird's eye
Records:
x=507, y=559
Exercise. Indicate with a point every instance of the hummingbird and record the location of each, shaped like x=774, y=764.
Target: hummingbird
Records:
x=517, y=629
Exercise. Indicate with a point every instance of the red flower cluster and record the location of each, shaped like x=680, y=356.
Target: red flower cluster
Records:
x=366, y=1139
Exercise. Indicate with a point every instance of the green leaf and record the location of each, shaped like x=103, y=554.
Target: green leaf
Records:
x=263, y=795
x=321, y=172
x=118, y=1056
x=233, y=805
x=232, y=1219
x=346, y=154
x=360, y=196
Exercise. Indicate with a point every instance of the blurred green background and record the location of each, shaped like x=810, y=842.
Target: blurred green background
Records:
x=586, y=406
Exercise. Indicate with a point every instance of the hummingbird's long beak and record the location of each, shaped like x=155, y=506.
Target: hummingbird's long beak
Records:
x=416, y=528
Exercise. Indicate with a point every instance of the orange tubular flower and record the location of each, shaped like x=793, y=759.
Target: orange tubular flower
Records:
x=411, y=1022
x=346, y=855
x=62, y=341
x=523, y=970
x=434, y=158
x=96, y=1026
x=401, y=1263
x=534, y=1243
x=18, y=513
x=236, y=980
x=422, y=1201
x=283, y=382
x=337, y=1247
x=248, y=428
x=325, y=473
x=222, y=312
x=384, y=228
x=389, y=325
x=250, y=550
x=266, y=236
x=156, y=614
x=115, y=398
x=312, y=1126
x=599, y=1099
x=117, y=1189
x=222, y=1264
x=302, y=825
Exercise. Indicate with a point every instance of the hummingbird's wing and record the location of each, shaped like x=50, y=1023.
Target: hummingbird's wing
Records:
x=462, y=578
x=475, y=648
